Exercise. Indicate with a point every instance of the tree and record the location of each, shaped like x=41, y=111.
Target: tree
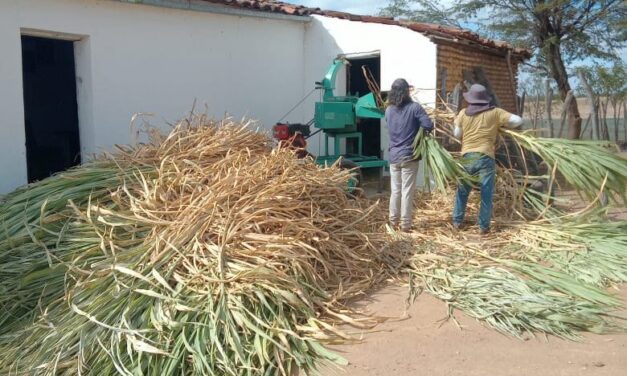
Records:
x=609, y=83
x=560, y=31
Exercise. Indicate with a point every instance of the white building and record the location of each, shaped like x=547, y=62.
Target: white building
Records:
x=74, y=72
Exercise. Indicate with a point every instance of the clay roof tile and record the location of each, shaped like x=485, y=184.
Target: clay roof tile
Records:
x=454, y=34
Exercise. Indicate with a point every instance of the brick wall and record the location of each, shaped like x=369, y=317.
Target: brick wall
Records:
x=456, y=58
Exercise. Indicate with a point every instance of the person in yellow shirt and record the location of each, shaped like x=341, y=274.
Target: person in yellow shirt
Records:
x=478, y=127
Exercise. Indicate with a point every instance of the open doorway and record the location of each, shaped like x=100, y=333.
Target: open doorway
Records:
x=50, y=107
x=357, y=85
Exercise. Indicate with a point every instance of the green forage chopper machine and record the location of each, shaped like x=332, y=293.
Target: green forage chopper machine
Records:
x=337, y=117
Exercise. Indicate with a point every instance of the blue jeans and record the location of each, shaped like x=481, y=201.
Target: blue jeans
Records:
x=485, y=167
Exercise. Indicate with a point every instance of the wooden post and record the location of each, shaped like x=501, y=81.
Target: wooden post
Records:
x=443, y=84
x=548, y=93
x=569, y=98
x=536, y=114
x=521, y=103
x=456, y=97
x=442, y=100
x=593, y=104
x=512, y=81
x=616, y=110
x=585, y=127
x=481, y=78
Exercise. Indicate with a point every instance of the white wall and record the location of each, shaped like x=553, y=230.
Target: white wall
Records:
x=12, y=131
x=404, y=53
x=136, y=58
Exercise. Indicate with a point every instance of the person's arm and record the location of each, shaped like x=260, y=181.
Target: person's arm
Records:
x=457, y=130
x=509, y=120
x=423, y=119
x=514, y=121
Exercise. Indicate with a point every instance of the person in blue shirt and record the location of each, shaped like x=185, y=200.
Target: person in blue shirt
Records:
x=404, y=117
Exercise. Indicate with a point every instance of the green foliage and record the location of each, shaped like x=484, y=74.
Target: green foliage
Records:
x=609, y=81
x=583, y=29
x=552, y=278
x=439, y=164
x=588, y=166
x=419, y=10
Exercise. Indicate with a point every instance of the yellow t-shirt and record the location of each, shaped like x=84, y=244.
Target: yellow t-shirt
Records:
x=479, y=132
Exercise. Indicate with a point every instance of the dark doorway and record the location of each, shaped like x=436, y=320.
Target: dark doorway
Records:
x=50, y=109
x=357, y=85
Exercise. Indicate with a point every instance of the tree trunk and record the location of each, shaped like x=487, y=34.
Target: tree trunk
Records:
x=606, y=129
x=559, y=74
x=601, y=117
x=569, y=98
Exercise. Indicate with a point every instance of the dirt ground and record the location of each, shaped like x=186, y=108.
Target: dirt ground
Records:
x=423, y=344
x=428, y=344
x=583, y=105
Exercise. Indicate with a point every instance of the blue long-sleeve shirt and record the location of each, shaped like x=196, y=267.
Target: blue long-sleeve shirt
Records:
x=403, y=125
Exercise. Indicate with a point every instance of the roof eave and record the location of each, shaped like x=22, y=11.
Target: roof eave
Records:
x=517, y=53
x=221, y=8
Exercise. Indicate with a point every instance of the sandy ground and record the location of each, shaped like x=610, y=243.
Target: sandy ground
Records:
x=426, y=345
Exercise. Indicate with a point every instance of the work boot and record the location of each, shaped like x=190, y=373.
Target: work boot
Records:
x=484, y=231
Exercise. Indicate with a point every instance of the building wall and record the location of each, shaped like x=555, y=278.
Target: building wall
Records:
x=456, y=58
x=134, y=58
x=404, y=53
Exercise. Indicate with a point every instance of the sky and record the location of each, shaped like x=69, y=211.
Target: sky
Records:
x=372, y=7
x=368, y=7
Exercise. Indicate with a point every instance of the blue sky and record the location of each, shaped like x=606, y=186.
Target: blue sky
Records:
x=350, y=6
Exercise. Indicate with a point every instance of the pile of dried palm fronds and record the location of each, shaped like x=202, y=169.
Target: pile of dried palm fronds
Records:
x=546, y=275
x=540, y=276
x=440, y=116
x=200, y=252
x=207, y=252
